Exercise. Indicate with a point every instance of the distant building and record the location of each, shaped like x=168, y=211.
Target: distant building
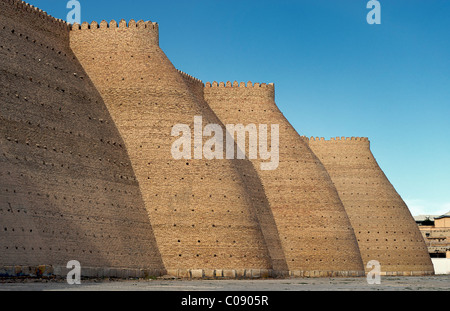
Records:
x=436, y=232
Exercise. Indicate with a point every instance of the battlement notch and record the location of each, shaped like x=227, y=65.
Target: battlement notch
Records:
x=336, y=139
x=146, y=31
x=26, y=8
x=189, y=77
x=131, y=25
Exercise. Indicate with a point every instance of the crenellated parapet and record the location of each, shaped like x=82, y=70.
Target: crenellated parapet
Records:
x=336, y=139
x=32, y=19
x=236, y=84
x=190, y=78
x=131, y=25
x=26, y=8
x=235, y=91
x=123, y=33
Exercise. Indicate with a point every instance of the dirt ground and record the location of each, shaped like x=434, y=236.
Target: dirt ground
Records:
x=431, y=283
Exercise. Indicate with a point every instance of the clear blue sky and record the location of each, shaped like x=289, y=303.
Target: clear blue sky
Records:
x=335, y=75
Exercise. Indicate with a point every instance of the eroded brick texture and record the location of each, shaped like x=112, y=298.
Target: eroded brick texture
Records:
x=314, y=229
x=201, y=210
x=87, y=172
x=383, y=225
x=67, y=187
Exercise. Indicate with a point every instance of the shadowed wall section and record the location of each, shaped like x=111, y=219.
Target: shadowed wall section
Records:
x=67, y=188
x=383, y=225
x=201, y=211
x=314, y=230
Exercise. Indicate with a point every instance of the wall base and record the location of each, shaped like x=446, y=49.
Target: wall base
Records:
x=124, y=273
x=86, y=272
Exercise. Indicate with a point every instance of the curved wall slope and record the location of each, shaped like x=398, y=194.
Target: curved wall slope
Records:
x=254, y=187
x=201, y=210
x=314, y=230
x=385, y=229
x=67, y=188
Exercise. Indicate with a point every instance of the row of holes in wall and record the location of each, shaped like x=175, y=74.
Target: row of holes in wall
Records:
x=143, y=238
x=53, y=164
x=27, y=38
x=260, y=256
x=83, y=184
x=286, y=146
x=402, y=257
x=29, y=143
x=15, y=95
x=390, y=240
x=101, y=121
x=58, y=108
x=83, y=199
x=65, y=235
x=78, y=95
x=75, y=251
x=111, y=190
x=375, y=248
x=225, y=196
x=378, y=212
x=387, y=232
x=104, y=220
x=101, y=140
x=340, y=158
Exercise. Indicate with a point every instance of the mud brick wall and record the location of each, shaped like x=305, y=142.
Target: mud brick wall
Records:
x=314, y=230
x=201, y=211
x=87, y=174
x=383, y=225
x=67, y=187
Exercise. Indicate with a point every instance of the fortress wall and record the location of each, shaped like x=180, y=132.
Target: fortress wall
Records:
x=255, y=189
x=195, y=86
x=315, y=232
x=383, y=225
x=67, y=187
x=201, y=212
x=35, y=18
x=82, y=173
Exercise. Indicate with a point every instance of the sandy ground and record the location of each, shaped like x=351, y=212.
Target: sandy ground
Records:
x=432, y=283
